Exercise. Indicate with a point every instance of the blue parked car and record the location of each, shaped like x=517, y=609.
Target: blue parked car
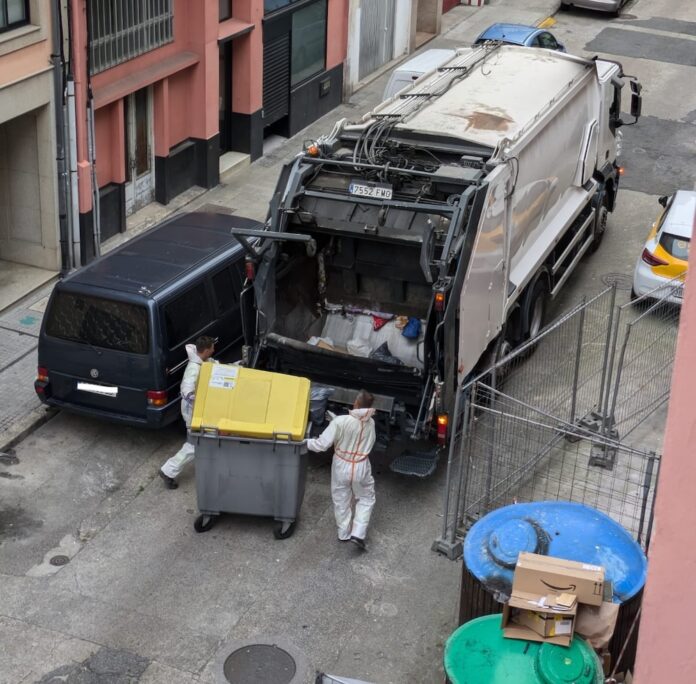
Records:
x=518, y=34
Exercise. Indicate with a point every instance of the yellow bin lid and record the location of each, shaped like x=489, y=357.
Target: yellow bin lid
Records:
x=250, y=403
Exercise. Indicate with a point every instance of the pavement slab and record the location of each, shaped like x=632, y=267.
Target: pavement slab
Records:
x=28, y=651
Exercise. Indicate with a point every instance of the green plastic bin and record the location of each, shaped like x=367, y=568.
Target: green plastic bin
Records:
x=477, y=653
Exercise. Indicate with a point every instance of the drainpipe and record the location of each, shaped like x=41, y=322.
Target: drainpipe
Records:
x=58, y=60
x=72, y=149
x=96, y=216
x=91, y=141
x=71, y=135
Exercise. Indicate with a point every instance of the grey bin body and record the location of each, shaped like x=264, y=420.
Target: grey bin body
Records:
x=250, y=476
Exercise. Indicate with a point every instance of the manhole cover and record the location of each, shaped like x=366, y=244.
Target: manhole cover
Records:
x=259, y=664
x=59, y=560
x=620, y=280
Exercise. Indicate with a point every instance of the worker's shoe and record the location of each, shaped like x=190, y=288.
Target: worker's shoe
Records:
x=360, y=543
x=169, y=482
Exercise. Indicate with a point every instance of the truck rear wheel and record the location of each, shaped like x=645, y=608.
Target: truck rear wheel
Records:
x=535, y=308
x=600, y=225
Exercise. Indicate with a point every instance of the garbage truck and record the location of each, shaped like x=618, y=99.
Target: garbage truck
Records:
x=402, y=252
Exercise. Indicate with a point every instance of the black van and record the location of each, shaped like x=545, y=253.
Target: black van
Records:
x=113, y=337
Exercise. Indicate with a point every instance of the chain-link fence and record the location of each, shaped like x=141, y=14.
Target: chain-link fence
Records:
x=543, y=422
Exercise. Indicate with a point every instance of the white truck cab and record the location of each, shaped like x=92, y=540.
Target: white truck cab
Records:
x=411, y=70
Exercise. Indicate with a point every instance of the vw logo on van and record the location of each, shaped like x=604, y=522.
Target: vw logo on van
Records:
x=94, y=373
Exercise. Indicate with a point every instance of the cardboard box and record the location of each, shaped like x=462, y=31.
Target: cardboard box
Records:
x=539, y=618
x=542, y=575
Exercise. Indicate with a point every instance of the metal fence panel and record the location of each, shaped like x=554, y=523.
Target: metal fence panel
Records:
x=550, y=421
x=645, y=357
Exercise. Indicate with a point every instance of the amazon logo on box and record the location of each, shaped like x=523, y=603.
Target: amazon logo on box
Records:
x=543, y=575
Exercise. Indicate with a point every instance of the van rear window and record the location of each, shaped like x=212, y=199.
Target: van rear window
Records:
x=99, y=322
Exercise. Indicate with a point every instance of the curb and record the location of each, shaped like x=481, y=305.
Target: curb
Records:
x=32, y=422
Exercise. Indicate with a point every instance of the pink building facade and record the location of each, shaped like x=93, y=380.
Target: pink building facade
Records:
x=175, y=84
x=666, y=650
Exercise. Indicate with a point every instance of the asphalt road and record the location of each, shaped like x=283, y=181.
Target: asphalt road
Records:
x=143, y=596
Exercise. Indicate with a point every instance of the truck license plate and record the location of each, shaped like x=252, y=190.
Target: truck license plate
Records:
x=374, y=190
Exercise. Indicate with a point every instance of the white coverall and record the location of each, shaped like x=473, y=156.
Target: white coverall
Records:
x=352, y=438
x=175, y=464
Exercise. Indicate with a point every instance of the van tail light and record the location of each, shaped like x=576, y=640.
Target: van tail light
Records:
x=157, y=398
x=651, y=260
x=442, y=422
x=41, y=382
x=439, y=301
x=249, y=269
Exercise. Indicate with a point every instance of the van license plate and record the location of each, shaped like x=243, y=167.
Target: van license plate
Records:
x=104, y=390
x=381, y=191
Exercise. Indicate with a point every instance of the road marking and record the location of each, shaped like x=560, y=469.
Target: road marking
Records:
x=658, y=32
x=547, y=23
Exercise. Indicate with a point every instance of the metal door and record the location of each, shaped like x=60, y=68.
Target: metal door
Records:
x=225, y=96
x=276, y=79
x=140, y=176
x=376, y=35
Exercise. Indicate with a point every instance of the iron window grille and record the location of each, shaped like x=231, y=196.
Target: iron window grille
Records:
x=13, y=14
x=123, y=29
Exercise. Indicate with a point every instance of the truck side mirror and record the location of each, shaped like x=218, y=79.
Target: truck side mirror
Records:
x=636, y=99
x=663, y=200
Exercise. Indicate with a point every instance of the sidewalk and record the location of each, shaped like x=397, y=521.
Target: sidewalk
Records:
x=245, y=192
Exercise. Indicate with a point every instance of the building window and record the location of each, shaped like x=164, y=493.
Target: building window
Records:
x=123, y=29
x=308, y=55
x=273, y=5
x=13, y=13
x=225, y=9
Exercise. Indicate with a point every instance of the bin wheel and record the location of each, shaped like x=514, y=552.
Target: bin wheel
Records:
x=282, y=529
x=203, y=522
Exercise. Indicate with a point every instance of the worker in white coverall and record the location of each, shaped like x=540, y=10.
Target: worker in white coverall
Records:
x=197, y=354
x=352, y=437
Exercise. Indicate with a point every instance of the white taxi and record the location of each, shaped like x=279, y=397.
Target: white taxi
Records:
x=665, y=257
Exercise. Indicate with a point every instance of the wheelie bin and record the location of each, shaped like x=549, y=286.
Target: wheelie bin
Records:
x=478, y=653
x=248, y=430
